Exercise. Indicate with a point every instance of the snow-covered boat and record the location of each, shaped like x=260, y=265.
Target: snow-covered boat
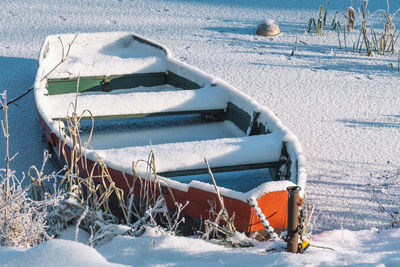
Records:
x=143, y=99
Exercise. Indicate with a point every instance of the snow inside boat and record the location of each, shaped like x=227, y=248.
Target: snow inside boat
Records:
x=143, y=99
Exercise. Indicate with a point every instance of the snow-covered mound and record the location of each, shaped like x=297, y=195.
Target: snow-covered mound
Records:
x=157, y=248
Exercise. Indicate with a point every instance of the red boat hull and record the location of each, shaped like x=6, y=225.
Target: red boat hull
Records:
x=272, y=204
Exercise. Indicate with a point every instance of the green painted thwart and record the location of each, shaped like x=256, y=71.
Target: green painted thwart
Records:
x=216, y=112
x=96, y=83
x=115, y=82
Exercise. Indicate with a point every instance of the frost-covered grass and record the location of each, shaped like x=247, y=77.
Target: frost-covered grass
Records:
x=30, y=215
x=23, y=220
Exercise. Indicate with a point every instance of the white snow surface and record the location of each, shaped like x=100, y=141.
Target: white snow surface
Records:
x=129, y=101
x=150, y=136
x=54, y=253
x=157, y=248
x=269, y=22
x=100, y=54
x=178, y=156
x=343, y=107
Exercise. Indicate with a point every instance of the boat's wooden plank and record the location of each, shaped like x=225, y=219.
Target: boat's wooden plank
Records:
x=136, y=80
x=66, y=86
x=238, y=116
x=98, y=83
x=219, y=112
x=180, y=82
x=221, y=169
x=256, y=127
x=144, y=41
x=283, y=172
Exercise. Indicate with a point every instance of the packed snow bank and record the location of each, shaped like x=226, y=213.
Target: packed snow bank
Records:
x=53, y=253
x=157, y=248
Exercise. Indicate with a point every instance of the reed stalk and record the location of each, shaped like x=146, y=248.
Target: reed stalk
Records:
x=364, y=27
x=338, y=34
x=320, y=24
x=221, y=202
x=64, y=57
x=326, y=13
x=7, y=158
x=351, y=18
x=6, y=136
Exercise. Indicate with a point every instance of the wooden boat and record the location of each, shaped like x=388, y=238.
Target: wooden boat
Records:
x=143, y=99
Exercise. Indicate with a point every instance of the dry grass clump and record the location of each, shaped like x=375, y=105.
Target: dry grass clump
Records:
x=373, y=40
x=389, y=36
x=222, y=227
x=88, y=197
x=77, y=195
x=23, y=218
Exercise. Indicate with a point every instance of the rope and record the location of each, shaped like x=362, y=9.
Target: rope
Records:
x=253, y=203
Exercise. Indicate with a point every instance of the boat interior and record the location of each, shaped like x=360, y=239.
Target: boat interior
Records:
x=201, y=121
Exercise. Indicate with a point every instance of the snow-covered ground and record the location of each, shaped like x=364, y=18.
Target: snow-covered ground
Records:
x=155, y=248
x=343, y=106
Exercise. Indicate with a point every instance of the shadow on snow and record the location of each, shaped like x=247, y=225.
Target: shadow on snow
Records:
x=16, y=76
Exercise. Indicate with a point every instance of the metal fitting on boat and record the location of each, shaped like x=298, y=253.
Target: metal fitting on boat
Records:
x=105, y=85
